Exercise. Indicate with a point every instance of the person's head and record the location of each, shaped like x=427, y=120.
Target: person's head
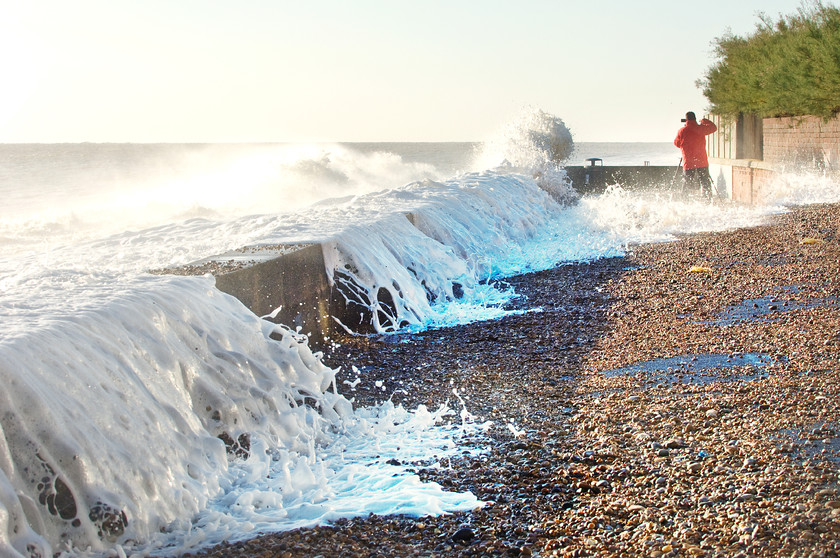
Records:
x=689, y=116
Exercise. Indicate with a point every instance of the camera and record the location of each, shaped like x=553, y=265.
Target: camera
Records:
x=682, y=119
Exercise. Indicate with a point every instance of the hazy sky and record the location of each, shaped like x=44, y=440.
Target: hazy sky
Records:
x=355, y=70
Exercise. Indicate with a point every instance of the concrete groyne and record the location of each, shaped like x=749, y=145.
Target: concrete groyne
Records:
x=286, y=284
x=595, y=178
x=289, y=284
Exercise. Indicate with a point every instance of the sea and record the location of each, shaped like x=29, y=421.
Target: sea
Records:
x=153, y=414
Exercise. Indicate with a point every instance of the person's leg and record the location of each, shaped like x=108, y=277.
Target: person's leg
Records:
x=706, y=184
x=692, y=181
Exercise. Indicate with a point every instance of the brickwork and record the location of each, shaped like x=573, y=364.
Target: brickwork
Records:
x=761, y=181
x=749, y=183
x=742, y=185
x=802, y=141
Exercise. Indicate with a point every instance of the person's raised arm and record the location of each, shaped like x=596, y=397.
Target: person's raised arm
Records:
x=708, y=126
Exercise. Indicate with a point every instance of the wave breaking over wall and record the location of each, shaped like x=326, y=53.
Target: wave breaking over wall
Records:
x=149, y=413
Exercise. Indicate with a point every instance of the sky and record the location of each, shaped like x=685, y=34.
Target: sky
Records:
x=356, y=70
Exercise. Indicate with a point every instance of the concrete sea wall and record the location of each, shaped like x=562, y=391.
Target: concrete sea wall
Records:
x=290, y=285
x=292, y=288
x=594, y=179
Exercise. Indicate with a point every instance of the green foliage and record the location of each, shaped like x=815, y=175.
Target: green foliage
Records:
x=790, y=67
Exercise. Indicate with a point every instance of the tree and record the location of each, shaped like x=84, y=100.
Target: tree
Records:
x=790, y=67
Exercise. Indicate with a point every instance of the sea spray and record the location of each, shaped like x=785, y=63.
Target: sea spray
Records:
x=533, y=141
x=536, y=144
x=456, y=235
x=461, y=234
x=628, y=217
x=73, y=193
x=801, y=188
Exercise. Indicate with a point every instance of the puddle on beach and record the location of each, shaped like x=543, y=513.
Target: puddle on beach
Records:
x=698, y=369
x=818, y=440
x=766, y=308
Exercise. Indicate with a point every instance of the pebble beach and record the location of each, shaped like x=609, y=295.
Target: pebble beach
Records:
x=681, y=400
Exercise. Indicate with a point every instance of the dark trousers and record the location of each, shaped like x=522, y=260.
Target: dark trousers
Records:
x=697, y=180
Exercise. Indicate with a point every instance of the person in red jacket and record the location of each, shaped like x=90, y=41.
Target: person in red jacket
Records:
x=691, y=139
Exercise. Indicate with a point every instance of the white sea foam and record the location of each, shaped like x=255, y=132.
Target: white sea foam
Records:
x=113, y=418
x=119, y=385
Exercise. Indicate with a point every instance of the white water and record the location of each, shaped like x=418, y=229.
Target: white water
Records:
x=117, y=384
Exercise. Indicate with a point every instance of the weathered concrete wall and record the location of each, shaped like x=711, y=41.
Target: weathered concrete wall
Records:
x=294, y=289
x=802, y=140
x=296, y=283
x=595, y=179
x=289, y=284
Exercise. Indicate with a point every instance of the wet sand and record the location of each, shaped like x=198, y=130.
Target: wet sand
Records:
x=723, y=442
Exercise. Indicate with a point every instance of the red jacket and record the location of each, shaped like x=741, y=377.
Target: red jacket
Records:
x=691, y=139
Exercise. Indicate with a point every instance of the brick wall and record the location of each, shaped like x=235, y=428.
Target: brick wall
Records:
x=748, y=183
x=802, y=141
